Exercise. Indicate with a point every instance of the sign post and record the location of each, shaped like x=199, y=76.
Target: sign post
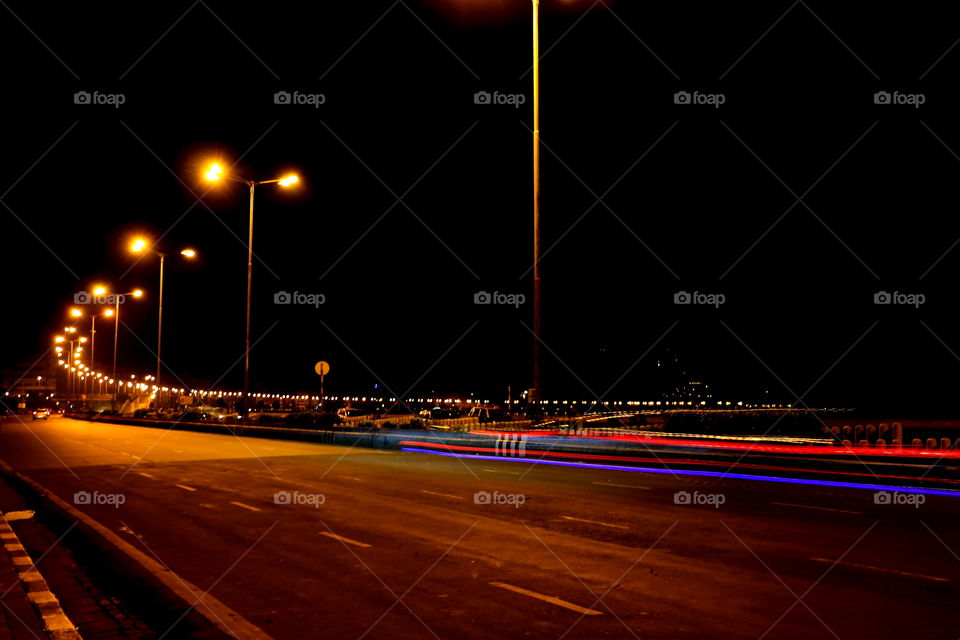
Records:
x=322, y=368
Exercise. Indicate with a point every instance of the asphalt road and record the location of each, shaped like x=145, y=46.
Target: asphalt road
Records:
x=394, y=545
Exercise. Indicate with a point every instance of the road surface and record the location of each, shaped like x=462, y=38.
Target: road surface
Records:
x=306, y=540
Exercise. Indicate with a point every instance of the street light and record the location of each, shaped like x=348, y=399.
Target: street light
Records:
x=141, y=245
x=106, y=313
x=74, y=359
x=214, y=173
x=117, y=298
x=535, y=391
x=536, y=201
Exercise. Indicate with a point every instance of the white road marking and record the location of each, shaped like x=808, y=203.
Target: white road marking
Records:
x=445, y=495
x=550, y=599
x=810, y=506
x=183, y=486
x=516, y=473
x=602, y=524
x=12, y=516
x=145, y=475
x=342, y=539
x=872, y=568
x=625, y=486
x=244, y=506
x=213, y=609
x=352, y=478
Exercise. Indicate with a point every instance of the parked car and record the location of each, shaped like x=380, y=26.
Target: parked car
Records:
x=440, y=413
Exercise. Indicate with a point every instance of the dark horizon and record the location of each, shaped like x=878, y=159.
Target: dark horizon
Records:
x=798, y=199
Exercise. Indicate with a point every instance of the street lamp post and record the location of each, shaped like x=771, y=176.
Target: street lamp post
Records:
x=215, y=173
x=136, y=293
x=137, y=246
x=106, y=313
x=163, y=257
x=536, y=201
x=73, y=360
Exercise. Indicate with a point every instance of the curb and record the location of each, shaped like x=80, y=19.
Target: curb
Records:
x=222, y=618
x=55, y=621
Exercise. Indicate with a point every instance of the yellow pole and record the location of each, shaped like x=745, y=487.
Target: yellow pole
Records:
x=536, y=201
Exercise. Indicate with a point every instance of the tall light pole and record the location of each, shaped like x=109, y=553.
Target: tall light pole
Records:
x=106, y=313
x=73, y=360
x=139, y=245
x=215, y=173
x=537, y=327
x=136, y=293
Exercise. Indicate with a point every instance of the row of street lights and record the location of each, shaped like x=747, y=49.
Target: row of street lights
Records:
x=214, y=173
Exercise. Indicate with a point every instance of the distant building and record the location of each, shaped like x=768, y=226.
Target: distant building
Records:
x=695, y=391
x=30, y=383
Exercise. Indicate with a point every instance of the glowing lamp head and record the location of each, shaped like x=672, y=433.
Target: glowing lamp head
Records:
x=137, y=293
x=108, y=313
x=188, y=253
x=99, y=290
x=214, y=173
x=76, y=313
x=138, y=245
x=59, y=339
x=83, y=339
x=289, y=181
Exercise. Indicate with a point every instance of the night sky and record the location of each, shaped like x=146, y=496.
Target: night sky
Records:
x=798, y=198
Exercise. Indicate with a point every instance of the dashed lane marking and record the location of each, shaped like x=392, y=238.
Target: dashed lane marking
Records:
x=883, y=570
x=445, y=495
x=183, y=486
x=355, y=543
x=550, y=599
x=625, y=486
x=602, y=524
x=244, y=506
x=810, y=506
